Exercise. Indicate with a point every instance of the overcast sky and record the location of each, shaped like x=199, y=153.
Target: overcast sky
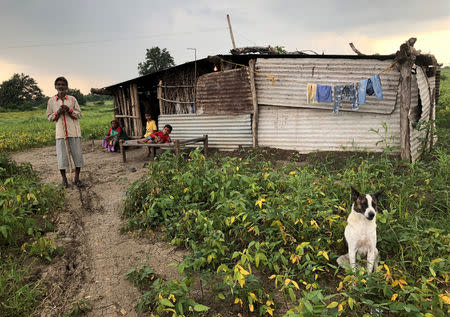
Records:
x=96, y=43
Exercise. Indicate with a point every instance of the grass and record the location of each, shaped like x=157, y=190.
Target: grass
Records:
x=28, y=129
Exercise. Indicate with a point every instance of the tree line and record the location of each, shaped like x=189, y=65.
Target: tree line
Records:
x=21, y=91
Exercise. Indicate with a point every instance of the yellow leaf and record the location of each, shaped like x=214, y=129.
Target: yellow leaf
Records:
x=341, y=285
x=272, y=277
x=172, y=297
x=185, y=190
x=437, y=260
x=270, y=311
x=394, y=297
x=242, y=270
x=287, y=281
x=332, y=305
x=250, y=307
x=293, y=172
x=445, y=298
x=295, y=284
x=19, y=198
x=253, y=296
x=341, y=307
x=236, y=300
x=269, y=303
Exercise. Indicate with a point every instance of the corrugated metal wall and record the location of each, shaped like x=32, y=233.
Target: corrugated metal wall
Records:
x=226, y=92
x=286, y=123
x=225, y=132
x=309, y=130
x=426, y=87
x=323, y=71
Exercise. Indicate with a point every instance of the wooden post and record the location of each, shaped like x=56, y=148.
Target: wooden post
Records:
x=138, y=111
x=159, y=94
x=231, y=31
x=122, y=150
x=122, y=109
x=177, y=147
x=205, y=145
x=251, y=65
x=406, y=57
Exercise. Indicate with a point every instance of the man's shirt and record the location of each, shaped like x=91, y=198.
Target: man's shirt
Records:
x=67, y=122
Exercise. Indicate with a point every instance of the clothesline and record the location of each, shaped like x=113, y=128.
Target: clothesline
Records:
x=272, y=78
x=355, y=92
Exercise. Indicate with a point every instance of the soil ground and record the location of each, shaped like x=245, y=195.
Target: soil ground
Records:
x=97, y=254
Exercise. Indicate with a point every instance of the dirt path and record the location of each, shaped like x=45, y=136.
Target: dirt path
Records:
x=96, y=254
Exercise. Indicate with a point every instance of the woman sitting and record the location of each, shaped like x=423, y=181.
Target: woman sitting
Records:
x=111, y=140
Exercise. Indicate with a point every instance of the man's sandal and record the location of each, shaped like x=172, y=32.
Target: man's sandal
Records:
x=78, y=183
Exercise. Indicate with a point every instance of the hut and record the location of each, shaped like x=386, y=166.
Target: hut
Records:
x=260, y=100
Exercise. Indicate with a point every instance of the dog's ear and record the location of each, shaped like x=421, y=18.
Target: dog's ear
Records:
x=378, y=194
x=355, y=193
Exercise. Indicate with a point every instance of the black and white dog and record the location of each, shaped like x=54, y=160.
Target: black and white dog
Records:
x=361, y=231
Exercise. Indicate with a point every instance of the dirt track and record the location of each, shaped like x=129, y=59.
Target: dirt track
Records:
x=96, y=254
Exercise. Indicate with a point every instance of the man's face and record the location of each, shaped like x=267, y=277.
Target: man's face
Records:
x=61, y=86
x=166, y=130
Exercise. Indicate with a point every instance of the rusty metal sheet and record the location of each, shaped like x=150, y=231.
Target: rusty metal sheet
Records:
x=226, y=92
x=289, y=89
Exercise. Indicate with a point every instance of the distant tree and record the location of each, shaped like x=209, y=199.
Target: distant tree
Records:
x=155, y=60
x=77, y=94
x=95, y=97
x=280, y=49
x=20, y=92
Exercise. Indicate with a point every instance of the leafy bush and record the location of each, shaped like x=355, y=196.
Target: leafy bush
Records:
x=255, y=229
x=25, y=207
x=163, y=297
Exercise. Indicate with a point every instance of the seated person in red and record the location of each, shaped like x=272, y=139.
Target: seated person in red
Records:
x=159, y=136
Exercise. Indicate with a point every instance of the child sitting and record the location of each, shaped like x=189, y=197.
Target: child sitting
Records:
x=158, y=136
x=111, y=140
x=149, y=128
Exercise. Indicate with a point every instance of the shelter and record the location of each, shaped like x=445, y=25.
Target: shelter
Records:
x=260, y=100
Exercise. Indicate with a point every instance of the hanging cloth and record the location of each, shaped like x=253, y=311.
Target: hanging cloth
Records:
x=323, y=93
x=345, y=93
x=369, y=86
x=311, y=90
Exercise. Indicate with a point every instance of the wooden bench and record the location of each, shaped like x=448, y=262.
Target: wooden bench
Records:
x=175, y=145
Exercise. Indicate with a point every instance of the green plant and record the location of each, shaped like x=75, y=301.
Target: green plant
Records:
x=386, y=139
x=79, y=308
x=255, y=230
x=163, y=297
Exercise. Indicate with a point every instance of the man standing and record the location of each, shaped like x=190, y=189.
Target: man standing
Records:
x=64, y=109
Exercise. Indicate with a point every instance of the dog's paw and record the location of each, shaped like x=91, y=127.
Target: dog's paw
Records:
x=343, y=261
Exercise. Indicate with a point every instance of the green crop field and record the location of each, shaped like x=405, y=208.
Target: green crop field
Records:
x=27, y=129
